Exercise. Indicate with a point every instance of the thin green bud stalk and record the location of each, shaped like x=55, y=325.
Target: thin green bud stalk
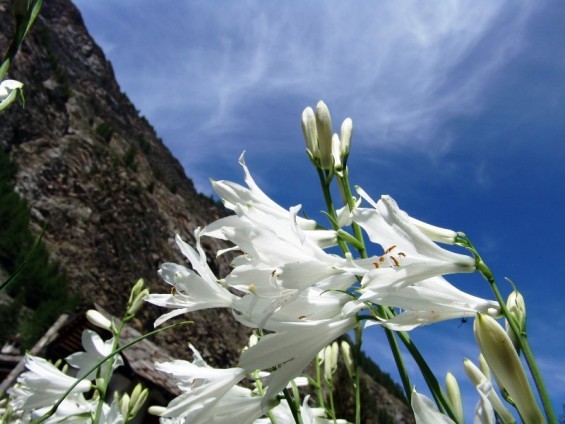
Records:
x=319, y=388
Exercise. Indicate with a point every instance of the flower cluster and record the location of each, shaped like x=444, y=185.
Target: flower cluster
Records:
x=287, y=285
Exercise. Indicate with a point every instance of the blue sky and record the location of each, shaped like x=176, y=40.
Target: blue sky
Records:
x=458, y=111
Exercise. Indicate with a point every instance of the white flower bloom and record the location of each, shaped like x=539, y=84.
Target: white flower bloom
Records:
x=192, y=291
x=425, y=411
x=233, y=194
x=209, y=395
x=283, y=415
x=95, y=351
x=293, y=346
x=410, y=255
x=429, y=301
x=43, y=385
x=8, y=91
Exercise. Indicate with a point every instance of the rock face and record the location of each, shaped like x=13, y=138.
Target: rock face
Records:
x=110, y=191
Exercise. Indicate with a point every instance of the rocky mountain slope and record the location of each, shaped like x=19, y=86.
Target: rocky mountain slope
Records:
x=110, y=191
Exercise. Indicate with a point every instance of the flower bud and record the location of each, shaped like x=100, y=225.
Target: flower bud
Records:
x=156, y=410
x=310, y=132
x=336, y=154
x=138, y=398
x=330, y=360
x=99, y=320
x=9, y=89
x=505, y=364
x=124, y=405
x=484, y=366
x=454, y=395
x=324, y=129
x=345, y=137
x=517, y=308
x=484, y=386
x=346, y=355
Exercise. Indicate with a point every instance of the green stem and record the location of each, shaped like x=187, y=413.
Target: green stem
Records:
x=442, y=401
x=292, y=405
x=23, y=24
x=404, y=377
x=319, y=388
x=107, y=358
x=106, y=380
x=358, y=342
x=349, y=199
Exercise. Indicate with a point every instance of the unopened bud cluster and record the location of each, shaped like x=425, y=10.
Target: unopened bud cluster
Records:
x=327, y=150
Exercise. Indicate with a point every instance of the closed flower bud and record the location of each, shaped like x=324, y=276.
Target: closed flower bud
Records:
x=310, y=132
x=99, y=320
x=345, y=137
x=9, y=89
x=336, y=154
x=346, y=355
x=138, y=398
x=505, y=364
x=484, y=386
x=124, y=405
x=324, y=129
x=454, y=395
x=330, y=360
x=156, y=410
x=517, y=308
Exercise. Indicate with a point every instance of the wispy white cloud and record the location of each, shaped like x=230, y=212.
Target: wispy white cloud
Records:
x=207, y=74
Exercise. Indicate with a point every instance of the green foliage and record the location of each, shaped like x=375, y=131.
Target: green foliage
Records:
x=104, y=131
x=144, y=145
x=129, y=158
x=40, y=288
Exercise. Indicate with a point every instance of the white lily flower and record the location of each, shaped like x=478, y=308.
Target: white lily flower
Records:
x=429, y=301
x=312, y=304
x=43, y=385
x=425, y=411
x=209, y=395
x=410, y=255
x=192, y=291
x=254, y=198
x=293, y=346
x=282, y=414
x=95, y=350
x=282, y=246
x=9, y=89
